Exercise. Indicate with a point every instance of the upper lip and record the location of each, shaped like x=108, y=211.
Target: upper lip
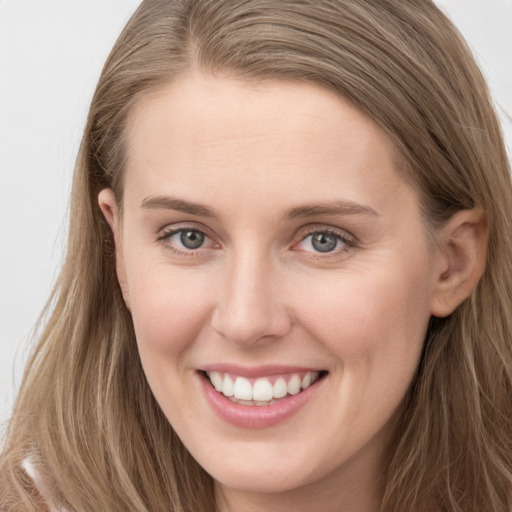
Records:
x=257, y=371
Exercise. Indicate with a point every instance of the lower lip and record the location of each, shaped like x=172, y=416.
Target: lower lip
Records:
x=255, y=416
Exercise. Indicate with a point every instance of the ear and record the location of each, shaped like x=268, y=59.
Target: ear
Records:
x=109, y=207
x=461, y=260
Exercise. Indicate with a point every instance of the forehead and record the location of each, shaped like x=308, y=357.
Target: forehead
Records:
x=278, y=139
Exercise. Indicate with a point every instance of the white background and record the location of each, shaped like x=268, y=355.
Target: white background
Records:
x=51, y=54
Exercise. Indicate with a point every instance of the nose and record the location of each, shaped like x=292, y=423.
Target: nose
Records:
x=251, y=305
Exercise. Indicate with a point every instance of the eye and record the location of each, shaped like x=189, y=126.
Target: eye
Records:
x=186, y=239
x=323, y=242
x=190, y=239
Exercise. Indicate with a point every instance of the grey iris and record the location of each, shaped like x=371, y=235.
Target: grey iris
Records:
x=324, y=242
x=192, y=239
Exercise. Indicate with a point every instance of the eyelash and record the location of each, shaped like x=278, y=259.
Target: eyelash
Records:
x=167, y=233
x=349, y=242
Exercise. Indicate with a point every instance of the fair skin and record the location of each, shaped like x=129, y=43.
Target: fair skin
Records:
x=266, y=232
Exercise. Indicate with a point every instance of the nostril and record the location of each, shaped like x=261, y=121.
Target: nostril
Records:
x=249, y=307
x=254, y=327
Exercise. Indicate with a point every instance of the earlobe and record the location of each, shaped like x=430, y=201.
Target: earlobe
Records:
x=461, y=260
x=110, y=210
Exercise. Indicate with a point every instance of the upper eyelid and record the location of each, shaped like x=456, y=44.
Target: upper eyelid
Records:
x=167, y=232
x=323, y=228
x=346, y=243
x=176, y=228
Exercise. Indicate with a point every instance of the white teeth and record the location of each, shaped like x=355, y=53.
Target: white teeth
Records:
x=306, y=381
x=242, y=389
x=280, y=389
x=228, y=387
x=262, y=391
x=217, y=380
x=294, y=385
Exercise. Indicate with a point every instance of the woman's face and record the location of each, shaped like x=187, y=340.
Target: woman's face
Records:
x=268, y=241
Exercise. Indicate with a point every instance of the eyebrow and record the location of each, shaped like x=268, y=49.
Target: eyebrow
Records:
x=329, y=208
x=299, y=212
x=171, y=203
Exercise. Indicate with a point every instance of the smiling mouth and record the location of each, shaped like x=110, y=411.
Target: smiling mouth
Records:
x=264, y=390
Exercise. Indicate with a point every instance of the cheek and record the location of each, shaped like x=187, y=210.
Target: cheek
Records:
x=169, y=308
x=371, y=320
x=375, y=328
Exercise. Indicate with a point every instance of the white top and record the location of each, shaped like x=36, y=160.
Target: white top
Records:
x=41, y=485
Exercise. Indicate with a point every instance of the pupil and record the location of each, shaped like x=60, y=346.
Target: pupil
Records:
x=323, y=242
x=192, y=239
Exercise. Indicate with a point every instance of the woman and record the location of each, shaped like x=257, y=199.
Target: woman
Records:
x=288, y=273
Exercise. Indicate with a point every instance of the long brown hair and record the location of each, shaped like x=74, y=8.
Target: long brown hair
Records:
x=85, y=412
